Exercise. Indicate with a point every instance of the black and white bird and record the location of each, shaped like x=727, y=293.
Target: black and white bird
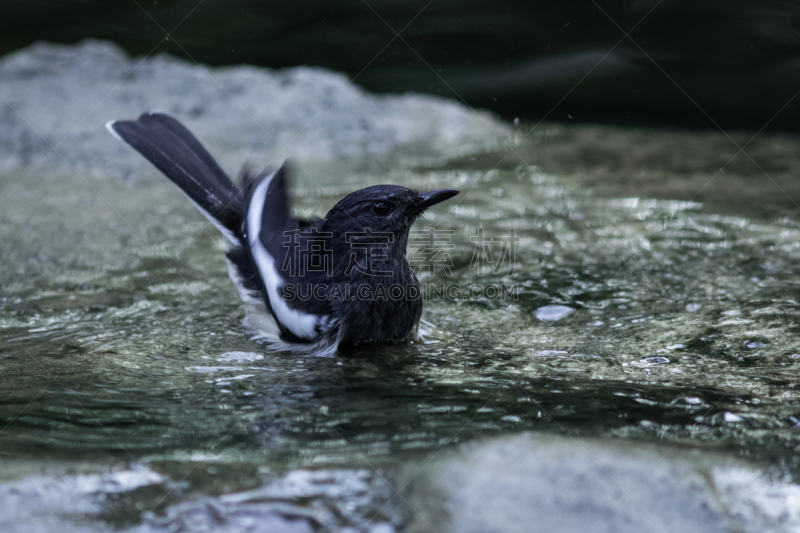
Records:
x=313, y=286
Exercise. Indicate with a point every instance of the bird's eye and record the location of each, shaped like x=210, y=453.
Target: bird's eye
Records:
x=380, y=208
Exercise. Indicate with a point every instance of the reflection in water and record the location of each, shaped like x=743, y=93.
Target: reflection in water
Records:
x=631, y=318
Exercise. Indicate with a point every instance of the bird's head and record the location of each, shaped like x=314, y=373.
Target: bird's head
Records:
x=383, y=209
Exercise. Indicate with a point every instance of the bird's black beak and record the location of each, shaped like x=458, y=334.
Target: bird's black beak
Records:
x=427, y=199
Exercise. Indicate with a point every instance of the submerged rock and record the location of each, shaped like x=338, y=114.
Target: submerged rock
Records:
x=40, y=503
x=541, y=483
x=140, y=500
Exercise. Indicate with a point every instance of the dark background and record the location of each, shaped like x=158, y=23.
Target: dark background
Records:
x=735, y=63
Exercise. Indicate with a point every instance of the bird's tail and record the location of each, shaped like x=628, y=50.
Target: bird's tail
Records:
x=172, y=148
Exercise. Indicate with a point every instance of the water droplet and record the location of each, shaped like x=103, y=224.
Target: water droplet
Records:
x=553, y=313
x=211, y=369
x=548, y=353
x=239, y=357
x=732, y=417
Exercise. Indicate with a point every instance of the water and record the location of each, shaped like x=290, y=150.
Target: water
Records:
x=122, y=348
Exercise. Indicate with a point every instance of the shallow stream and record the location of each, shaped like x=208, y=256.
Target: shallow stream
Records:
x=125, y=363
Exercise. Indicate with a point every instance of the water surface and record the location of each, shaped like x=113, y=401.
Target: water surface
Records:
x=627, y=317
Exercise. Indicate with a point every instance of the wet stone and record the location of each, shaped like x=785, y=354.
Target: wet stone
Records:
x=538, y=483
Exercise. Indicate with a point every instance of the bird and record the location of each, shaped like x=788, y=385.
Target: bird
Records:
x=318, y=286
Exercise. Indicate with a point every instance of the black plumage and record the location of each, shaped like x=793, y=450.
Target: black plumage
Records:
x=321, y=283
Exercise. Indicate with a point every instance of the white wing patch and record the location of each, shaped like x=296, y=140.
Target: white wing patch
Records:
x=257, y=318
x=301, y=324
x=261, y=322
